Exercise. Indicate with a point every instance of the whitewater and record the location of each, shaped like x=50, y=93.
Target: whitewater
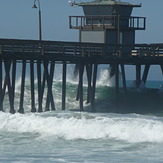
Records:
x=79, y=137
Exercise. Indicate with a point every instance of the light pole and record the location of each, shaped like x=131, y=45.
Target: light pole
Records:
x=39, y=18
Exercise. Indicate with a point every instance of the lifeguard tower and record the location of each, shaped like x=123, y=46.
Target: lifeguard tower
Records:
x=107, y=21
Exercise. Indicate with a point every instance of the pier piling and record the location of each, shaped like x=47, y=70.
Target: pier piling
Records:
x=93, y=109
x=81, y=69
x=89, y=78
x=145, y=74
x=8, y=82
x=124, y=79
x=33, y=108
x=49, y=79
x=13, y=79
x=1, y=77
x=39, y=86
x=138, y=75
x=64, y=74
x=117, y=82
x=21, y=108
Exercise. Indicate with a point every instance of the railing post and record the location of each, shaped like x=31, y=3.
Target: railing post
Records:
x=118, y=30
x=103, y=21
x=130, y=22
x=84, y=21
x=81, y=19
x=137, y=22
x=76, y=21
x=92, y=22
x=70, y=22
x=144, y=23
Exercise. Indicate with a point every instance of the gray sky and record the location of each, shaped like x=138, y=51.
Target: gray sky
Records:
x=19, y=20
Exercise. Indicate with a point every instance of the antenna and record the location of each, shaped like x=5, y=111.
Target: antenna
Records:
x=71, y=2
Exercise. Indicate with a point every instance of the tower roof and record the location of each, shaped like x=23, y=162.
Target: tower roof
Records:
x=107, y=3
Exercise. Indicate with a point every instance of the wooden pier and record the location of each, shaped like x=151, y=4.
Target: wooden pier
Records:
x=44, y=55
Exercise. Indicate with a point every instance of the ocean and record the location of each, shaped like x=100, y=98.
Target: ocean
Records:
x=72, y=136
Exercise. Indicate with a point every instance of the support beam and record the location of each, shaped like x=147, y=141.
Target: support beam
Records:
x=76, y=71
x=4, y=88
x=39, y=86
x=78, y=89
x=8, y=82
x=94, y=88
x=123, y=78
x=77, y=95
x=138, y=75
x=21, y=108
x=64, y=85
x=145, y=74
x=46, y=77
x=52, y=67
x=5, y=81
x=49, y=79
x=161, y=68
x=1, y=78
x=124, y=83
x=13, y=79
x=43, y=85
x=117, y=82
x=81, y=69
x=89, y=78
x=33, y=109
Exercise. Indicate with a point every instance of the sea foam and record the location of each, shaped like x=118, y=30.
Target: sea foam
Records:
x=85, y=126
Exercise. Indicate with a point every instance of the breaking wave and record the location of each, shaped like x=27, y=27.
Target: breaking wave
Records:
x=70, y=126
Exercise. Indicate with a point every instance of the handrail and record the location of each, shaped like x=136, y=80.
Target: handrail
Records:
x=106, y=22
x=76, y=49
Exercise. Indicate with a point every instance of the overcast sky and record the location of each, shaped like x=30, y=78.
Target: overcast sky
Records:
x=19, y=20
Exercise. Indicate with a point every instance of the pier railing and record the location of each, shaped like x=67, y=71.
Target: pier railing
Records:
x=107, y=22
x=27, y=49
